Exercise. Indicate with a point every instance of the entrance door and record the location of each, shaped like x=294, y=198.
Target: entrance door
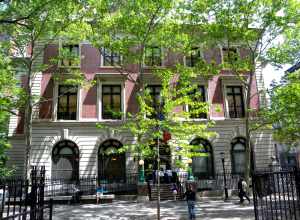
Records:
x=111, y=164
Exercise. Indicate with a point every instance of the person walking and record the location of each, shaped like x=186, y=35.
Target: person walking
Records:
x=242, y=188
x=174, y=191
x=190, y=196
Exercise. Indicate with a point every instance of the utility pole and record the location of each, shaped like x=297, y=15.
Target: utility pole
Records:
x=158, y=180
x=224, y=175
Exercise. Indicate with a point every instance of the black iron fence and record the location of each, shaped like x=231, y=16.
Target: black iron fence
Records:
x=87, y=185
x=24, y=199
x=276, y=195
x=216, y=182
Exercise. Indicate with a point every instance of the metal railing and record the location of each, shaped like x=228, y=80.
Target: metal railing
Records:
x=87, y=185
x=276, y=195
x=215, y=182
x=24, y=199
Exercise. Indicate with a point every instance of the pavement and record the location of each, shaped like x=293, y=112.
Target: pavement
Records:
x=207, y=209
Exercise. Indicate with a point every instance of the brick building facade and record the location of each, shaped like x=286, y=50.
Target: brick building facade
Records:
x=65, y=138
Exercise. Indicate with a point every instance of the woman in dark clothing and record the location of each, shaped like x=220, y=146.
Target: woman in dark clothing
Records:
x=190, y=196
x=242, y=188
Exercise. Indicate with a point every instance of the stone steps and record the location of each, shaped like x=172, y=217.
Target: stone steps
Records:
x=165, y=192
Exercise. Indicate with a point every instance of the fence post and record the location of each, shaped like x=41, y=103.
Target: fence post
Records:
x=41, y=186
x=297, y=181
x=32, y=195
x=50, y=208
x=254, y=195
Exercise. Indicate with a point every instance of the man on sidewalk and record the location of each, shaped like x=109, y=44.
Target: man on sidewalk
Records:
x=191, y=199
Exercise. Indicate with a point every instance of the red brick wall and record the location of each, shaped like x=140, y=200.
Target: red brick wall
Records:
x=89, y=102
x=46, y=107
x=213, y=55
x=215, y=95
x=130, y=99
x=20, y=118
x=90, y=65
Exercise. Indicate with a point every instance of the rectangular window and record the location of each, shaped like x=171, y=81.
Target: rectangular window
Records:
x=70, y=54
x=154, y=91
x=198, y=97
x=67, y=102
x=229, y=55
x=235, y=101
x=111, y=102
x=193, y=58
x=153, y=56
x=111, y=58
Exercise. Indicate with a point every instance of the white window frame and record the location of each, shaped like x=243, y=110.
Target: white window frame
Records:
x=61, y=44
x=102, y=60
x=186, y=107
x=55, y=103
x=161, y=57
x=224, y=87
x=100, y=83
x=201, y=55
x=155, y=83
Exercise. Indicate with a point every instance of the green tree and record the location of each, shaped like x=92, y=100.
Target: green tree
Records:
x=9, y=100
x=284, y=113
x=253, y=25
x=28, y=25
x=132, y=29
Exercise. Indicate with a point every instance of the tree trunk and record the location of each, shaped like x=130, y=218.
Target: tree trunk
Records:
x=28, y=120
x=158, y=181
x=247, y=128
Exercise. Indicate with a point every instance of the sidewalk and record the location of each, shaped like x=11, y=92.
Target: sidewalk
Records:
x=170, y=210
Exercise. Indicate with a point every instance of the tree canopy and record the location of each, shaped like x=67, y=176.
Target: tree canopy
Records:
x=284, y=111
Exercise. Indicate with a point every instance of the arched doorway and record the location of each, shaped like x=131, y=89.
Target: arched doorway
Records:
x=238, y=156
x=238, y=153
x=65, y=161
x=111, y=164
x=203, y=166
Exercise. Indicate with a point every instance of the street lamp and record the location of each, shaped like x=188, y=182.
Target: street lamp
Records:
x=222, y=155
x=142, y=172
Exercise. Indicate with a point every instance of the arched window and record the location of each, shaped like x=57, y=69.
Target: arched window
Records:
x=203, y=166
x=238, y=152
x=65, y=160
x=111, y=164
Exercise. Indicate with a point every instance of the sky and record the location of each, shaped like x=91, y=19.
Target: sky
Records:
x=271, y=73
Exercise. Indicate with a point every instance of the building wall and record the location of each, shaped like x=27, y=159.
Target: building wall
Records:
x=88, y=138
x=47, y=131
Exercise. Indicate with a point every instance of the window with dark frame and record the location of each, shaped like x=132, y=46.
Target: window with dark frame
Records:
x=153, y=56
x=229, y=54
x=235, y=101
x=65, y=161
x=111, y=102
x=67, y=102
x=198, y=96
x=154, y=91
x=203, y=166
x=72, y=51
x=238, y=153
x=111, y=58
x=193, y=58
